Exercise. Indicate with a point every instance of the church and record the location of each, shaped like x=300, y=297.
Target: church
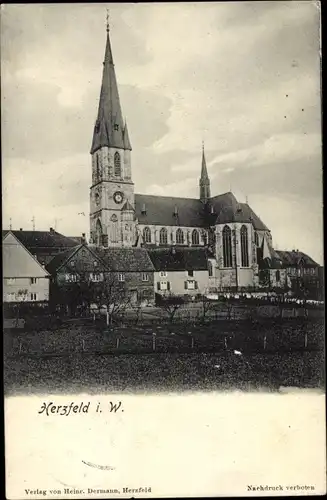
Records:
x=239, y=243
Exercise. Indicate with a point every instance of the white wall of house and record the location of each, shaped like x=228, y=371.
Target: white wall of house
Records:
x=24, y=278
x=25, y=289
x=174, y=282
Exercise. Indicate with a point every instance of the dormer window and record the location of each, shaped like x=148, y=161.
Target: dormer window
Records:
x=143, y=211
x=116, y=126
x=175, y=211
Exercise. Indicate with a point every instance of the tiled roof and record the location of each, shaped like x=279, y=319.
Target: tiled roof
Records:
x=60, y=258
x=125, y=259
x=42, y=239
x=179, y=258
x=293, y=258
x=221, y=209
x=78, y=239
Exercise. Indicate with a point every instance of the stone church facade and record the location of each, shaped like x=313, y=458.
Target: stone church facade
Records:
x=233, y=234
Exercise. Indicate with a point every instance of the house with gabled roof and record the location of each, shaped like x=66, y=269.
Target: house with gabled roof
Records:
x=183, y=271
x=44, y=245
x=301, y=270
x=24, y=278
x=78, y=272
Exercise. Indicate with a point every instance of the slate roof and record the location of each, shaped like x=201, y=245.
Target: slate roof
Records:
x=42, y=239
x=160, y=211
x=192, y=212
x=179, y=259
x=293, y=258
x=109, y=129
x=125, y=259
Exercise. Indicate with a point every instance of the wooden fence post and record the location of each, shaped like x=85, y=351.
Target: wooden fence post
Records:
x=117, y=343
x=225, y=342
x=192, y=342
x=20, y=347
x=153, y=341
x=305, y=340
x=83, y=345
x=264, y=342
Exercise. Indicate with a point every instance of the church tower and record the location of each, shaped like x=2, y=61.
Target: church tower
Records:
x=204, y=180
x=112, y=184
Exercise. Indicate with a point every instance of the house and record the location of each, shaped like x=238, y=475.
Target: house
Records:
x=134, y=268
x=75, y=272
x=24, y=278
x=302, y=271
x=44, y=245
x=80, y=276
x=182, y=271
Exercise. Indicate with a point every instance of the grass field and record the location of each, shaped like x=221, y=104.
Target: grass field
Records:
x=89, y=357
x=162, y=372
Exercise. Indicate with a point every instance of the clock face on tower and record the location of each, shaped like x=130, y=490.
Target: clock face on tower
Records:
x=118, y=197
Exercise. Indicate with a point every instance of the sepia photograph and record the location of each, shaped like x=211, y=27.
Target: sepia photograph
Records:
x=162, y=248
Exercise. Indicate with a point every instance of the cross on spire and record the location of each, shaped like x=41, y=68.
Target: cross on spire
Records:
x=107, y=21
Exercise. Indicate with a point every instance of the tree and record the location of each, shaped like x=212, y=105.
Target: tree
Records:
x=170, y=303
x=114, y=295
x=207, y=305
x=79, y=293
x=22, y=295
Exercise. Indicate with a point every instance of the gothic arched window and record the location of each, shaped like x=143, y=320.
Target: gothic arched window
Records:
x=179, y=237
x=278, y=276
x=244, y=247
x=117, y=164
x=147, y=235
x=163, y=236
x=195, y=237
x=227, y=246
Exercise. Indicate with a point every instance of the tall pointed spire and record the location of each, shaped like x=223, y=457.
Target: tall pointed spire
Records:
x=127, y=142
x=204, y=179
x=109, y=125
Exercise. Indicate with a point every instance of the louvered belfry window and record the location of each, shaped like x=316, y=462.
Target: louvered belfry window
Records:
x=227, y=246
x=117, y=164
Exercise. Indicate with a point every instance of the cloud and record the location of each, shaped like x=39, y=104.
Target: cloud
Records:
x=282, y=148
x=243, y=76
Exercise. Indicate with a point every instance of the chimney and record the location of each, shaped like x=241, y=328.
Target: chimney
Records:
x=175, y=211
x=143, y=209
x=52, y=230
x=212, y=210
x=83, y=238
x=21, y=229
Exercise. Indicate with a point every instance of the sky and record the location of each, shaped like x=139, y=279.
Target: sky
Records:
x=244, y=77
